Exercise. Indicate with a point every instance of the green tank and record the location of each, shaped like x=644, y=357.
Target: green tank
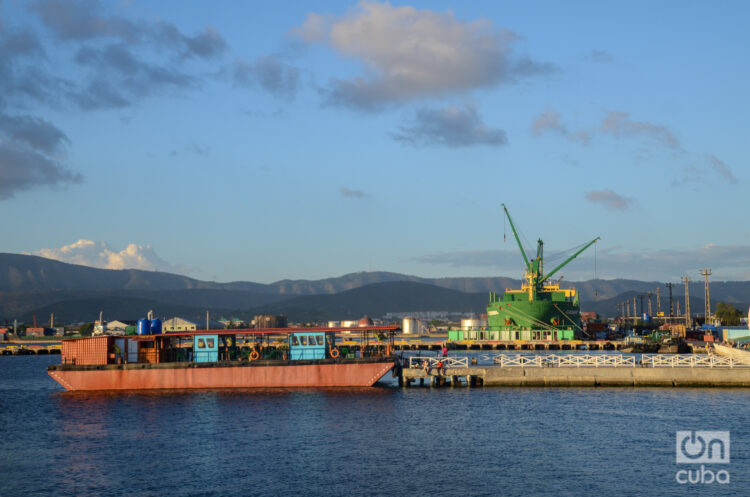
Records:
x=540, y=310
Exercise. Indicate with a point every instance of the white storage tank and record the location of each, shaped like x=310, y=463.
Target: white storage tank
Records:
x=411, y=326
x=470, y=324
x=334, y=324
x=348, y=324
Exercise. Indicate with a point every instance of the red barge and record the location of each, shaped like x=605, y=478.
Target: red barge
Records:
x=210, y=359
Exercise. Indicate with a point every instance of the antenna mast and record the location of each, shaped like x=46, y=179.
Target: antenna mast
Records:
x=707, y=316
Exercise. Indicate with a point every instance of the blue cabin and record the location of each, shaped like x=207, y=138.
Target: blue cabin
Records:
x=303, y=346
x=206, y=348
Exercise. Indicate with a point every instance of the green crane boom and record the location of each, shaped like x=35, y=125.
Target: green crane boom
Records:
x=518, y=241
x=569, y=259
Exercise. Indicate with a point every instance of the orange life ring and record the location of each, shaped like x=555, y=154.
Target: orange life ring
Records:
x=254, y=355
x=334, y=353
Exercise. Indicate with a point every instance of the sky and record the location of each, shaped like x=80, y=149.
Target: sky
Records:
x=262, y=141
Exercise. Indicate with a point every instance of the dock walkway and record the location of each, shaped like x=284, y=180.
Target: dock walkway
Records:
x=608, y=370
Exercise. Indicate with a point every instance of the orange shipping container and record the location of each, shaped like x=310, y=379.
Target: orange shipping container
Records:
x=87, y=351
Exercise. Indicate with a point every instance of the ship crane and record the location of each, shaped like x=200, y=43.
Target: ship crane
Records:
x=535, y=276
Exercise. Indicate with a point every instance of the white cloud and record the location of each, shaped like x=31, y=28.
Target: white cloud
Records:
x=619, y=124
x=550, y=121
x=452, y=127
x=102, y=255
x=609, y=199
x=410, y=53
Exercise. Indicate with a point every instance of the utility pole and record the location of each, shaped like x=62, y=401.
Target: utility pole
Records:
x=207, y=328
x=706, y=273
x=671, y=302
x=686, y=281
x=658, y=301
x=642, y=310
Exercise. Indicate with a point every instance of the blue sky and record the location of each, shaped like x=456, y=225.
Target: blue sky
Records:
x=262, y=141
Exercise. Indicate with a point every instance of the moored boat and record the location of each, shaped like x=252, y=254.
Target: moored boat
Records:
x=739, y=355
x=540, y=310
x=308, y=357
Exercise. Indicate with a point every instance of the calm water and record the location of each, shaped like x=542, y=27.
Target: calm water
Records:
x=380, y=441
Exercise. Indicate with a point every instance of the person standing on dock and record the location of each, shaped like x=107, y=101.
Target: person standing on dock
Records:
x=445, y=351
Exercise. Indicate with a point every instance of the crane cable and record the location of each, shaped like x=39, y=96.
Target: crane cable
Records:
x=568, y=318
x=531, y=318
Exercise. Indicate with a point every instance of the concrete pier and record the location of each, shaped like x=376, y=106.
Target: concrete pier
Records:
x=582, y=377
x=580, y=370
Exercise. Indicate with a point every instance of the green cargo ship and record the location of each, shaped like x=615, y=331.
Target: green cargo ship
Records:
x=540, y=310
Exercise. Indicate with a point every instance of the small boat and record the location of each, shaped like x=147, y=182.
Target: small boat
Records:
x=739, y=355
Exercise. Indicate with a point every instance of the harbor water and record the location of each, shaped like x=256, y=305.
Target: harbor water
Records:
x=374, y=441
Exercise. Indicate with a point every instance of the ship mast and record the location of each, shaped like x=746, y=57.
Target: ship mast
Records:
x=535, y=267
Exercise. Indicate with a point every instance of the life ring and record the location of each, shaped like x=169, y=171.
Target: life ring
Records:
x=254, y=355
x=334, y=353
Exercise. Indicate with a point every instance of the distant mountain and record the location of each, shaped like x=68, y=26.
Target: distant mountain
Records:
x=28, y=273
x=31, y=284
x=376, y=300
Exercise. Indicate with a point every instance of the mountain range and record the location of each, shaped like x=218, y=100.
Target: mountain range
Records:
x=31, y=285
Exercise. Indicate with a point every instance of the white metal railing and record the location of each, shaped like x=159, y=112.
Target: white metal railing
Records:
x=690, y=361
x=448, y=362
x=520, y=361
x=566, y=360
x=586, y=361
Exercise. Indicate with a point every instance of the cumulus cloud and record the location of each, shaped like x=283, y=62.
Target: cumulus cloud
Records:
x=609, y=199
x=120, y=60
x=31, y=154
x=85, y=20
x=450, y=126
x=619, y=124
x=270, y=73
x=102, y=255
x=550, y=121
x=117, y=61
x=33, y=131
x=410, y=54
x=347, y=192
